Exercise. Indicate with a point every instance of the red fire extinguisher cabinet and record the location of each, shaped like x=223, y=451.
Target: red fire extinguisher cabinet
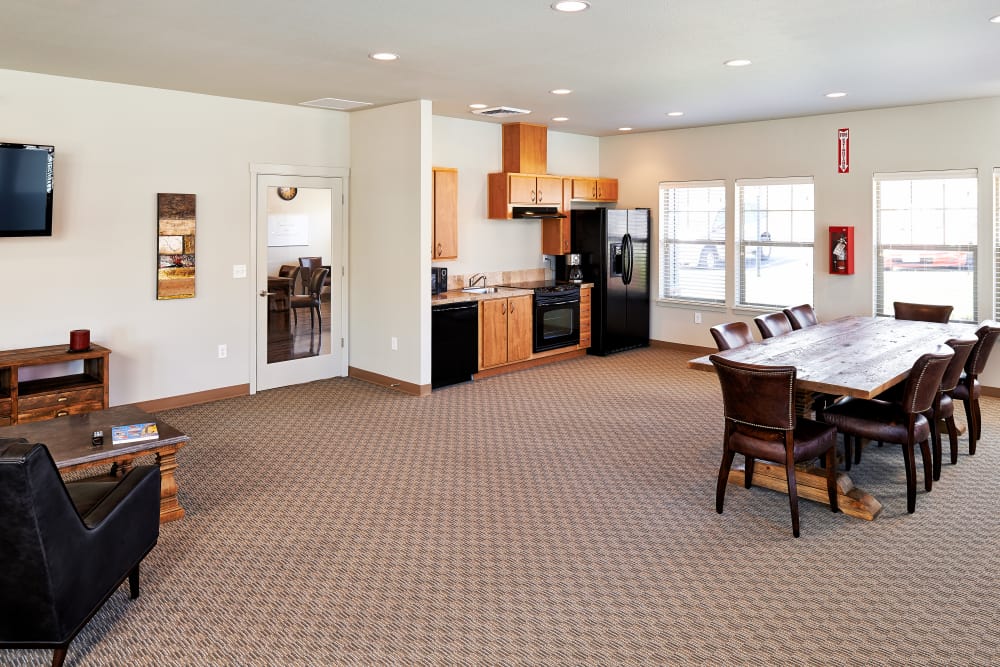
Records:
x=841, y=251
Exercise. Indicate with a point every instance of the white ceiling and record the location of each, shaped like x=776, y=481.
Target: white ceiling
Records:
x=628, y=62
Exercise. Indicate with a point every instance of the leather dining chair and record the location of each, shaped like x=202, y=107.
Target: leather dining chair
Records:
x=801, y=317
x=921, y=312
x=760, y=422
x=65, y=547
x=904, y=423
x=730, y=335
x=943, y=409
x=311, y=299
x=968, y=388
x=773, y=324
x=308, y=264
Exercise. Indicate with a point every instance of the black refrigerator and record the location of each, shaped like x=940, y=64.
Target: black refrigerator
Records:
x=614, y=249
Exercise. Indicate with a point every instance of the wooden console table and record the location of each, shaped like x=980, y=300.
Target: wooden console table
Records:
x=69, y=441
x=23, y=400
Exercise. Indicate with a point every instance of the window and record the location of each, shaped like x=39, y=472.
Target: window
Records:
x=775, y=232
x=693, y=233
x=925, y=240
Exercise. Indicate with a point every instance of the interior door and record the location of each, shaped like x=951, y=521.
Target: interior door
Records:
x=300, y=317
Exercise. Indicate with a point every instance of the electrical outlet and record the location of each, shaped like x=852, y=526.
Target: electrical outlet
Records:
x=239, y=270
x=394, y=343
x=697, y=318
x=223, y=352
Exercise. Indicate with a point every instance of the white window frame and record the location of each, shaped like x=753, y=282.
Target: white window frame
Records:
x=671, y=246
x=880, y=305
x=744, y=245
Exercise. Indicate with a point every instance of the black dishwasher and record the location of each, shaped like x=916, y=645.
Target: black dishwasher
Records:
x=454, y=343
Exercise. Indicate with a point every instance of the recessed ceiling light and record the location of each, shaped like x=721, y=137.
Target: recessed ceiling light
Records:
x=624, y=129
x=477, y=105
x=737, y=62
x=831, y=95
x=570, y=6
x=560, y=119
x=561, y=91
x=383, y=56
x=995, y=19
x=675, y=113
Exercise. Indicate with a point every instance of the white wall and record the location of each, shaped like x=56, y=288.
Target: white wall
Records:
x=955, y=135
x=391, y=240
x=116, y=147
x=474, y=147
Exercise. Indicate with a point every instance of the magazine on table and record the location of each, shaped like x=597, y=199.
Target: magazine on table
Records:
x=134, y=433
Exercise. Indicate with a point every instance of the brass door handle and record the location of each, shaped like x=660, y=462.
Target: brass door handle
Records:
x=263, y=293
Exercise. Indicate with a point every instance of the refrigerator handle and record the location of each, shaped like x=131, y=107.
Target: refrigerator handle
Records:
x=627, y=259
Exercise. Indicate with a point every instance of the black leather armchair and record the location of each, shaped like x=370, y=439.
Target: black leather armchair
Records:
x=66, y=547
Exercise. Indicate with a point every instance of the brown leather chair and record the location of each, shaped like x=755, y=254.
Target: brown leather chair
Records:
x=968, y=388
x=730, y=335
x=801, y=317
x=773, y=324
x=308, y=264
x=904, y=423
x=311, y=299
x=921, y=312
x=759, y=406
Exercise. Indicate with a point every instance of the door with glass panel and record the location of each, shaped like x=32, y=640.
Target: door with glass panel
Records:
x=300, y=292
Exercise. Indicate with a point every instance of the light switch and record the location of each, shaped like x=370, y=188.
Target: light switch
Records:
x=239, y=270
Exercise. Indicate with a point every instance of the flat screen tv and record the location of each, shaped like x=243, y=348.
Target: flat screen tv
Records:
x=26, y=189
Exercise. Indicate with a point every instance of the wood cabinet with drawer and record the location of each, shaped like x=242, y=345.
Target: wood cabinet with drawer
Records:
x=78, y=382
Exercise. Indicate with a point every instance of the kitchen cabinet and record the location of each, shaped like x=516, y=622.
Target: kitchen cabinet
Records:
x=585, y=317
x=595, y=189
x=556, y=231
x=445, y=241
x=525, y=148
x=504, y=331
x=507, y=190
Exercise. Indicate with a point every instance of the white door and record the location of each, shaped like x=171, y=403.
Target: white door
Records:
x=300, y=331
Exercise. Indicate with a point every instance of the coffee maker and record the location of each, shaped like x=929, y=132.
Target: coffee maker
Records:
x=568, y=268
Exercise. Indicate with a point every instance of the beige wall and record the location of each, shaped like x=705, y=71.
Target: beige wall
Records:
x=955, y=135
x=116, y=147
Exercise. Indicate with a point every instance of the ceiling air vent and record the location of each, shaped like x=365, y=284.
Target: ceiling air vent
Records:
x=500, y=112
x=335, y=103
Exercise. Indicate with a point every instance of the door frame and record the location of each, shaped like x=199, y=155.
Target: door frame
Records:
x=264, y=169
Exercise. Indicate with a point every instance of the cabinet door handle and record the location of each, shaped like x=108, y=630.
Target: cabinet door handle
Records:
x=439, y=249
x=503, y=309
x=595, y=192
x=533, y=197
x=512, y=308
x=539, y=196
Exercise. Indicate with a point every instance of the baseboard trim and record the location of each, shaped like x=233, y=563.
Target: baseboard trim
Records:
x=187, y=400
x=389, y=382
x=693, y=349
x=530, y=363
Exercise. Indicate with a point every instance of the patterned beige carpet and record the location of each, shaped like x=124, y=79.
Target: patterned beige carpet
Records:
x=557, y=516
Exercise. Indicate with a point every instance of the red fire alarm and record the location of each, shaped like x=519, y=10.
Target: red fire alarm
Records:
x=842, y=250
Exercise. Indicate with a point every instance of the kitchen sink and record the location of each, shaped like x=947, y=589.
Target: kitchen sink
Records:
x=481, y=290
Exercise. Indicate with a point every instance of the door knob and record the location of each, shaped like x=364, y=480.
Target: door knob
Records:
x=263, y=293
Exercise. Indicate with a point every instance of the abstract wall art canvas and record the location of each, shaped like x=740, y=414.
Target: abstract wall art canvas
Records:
x=175, y=216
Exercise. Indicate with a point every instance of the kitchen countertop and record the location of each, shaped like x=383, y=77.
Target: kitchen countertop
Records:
x=458, y=296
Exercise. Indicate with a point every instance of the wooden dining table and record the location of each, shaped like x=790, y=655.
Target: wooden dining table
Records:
x=851, y=356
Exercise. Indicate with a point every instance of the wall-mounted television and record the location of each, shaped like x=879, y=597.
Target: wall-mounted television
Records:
x=26, y=189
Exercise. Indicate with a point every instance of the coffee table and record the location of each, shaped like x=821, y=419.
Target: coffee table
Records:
x=69, y=441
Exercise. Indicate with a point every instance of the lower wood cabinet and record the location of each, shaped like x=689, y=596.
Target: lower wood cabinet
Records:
x=585, y=317
x=504, y=331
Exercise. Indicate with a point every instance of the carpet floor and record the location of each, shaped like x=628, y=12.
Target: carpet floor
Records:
x=563, y=515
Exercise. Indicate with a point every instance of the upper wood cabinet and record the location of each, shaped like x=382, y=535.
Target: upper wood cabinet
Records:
x=525, y=148
x=445, y=242
x=507, y=190
x=595, y=189
x=556, y=231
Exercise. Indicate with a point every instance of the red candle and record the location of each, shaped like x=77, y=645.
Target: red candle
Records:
x=79, y=340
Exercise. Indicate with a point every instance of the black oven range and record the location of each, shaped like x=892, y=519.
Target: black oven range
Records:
x=556, y=313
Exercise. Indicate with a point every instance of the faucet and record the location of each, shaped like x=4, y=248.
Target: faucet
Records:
x=476, y=277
